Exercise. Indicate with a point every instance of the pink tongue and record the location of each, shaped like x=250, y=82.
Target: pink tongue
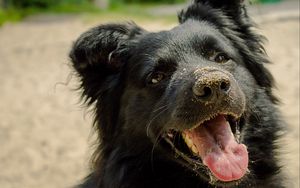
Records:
x=226, y=159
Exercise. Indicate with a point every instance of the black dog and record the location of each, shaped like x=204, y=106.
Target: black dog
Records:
x=189, y=107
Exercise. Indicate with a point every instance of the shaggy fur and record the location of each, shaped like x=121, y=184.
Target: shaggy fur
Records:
x=140, y=85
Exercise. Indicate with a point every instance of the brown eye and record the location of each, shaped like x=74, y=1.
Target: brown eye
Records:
x=221, y=58
x=156, y=77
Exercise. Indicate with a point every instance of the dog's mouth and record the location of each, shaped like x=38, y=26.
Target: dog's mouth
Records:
x=212, y=147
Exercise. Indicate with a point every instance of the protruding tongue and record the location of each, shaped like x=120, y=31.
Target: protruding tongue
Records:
x=216, y=145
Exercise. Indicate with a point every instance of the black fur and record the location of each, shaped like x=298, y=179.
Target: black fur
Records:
x=116, y=63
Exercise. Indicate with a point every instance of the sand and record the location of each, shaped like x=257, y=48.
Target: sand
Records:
x=45, y=134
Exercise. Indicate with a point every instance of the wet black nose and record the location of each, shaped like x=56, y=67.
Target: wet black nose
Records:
x=211, y=86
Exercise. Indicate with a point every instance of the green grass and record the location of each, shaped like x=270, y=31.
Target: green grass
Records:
x=10, y=15
x=14, y=14
x=133, y=12
x=115, y=12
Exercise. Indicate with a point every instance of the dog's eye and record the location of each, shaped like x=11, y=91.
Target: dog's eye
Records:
x=156, y=77
x=220, y=58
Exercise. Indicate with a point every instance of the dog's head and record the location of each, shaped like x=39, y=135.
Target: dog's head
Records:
x=185, y=90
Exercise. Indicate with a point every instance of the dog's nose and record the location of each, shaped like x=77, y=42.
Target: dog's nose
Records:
x=211, y=86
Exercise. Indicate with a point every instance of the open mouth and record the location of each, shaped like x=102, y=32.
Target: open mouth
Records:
x=213, y=145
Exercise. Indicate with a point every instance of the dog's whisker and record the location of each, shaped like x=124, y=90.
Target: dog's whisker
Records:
x=156, y=116
x=159, y=108
x=155, y=143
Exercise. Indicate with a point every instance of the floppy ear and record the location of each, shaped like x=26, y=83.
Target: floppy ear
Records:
x=99, y=54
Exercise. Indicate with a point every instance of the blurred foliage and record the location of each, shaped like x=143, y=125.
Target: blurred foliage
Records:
x=43, y=4
x=154, y=1
x=147, y=1
x=30, y=3
x=119, y=3
x=9, y=15
x=15, y=10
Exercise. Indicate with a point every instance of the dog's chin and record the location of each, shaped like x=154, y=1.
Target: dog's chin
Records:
x=211, y=149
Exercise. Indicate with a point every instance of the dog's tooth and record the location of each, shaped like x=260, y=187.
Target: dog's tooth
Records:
x=170, y=135
x=227, y=122
x=183, y=135
x=230, y=131
x=188, y=141
x=194, y=149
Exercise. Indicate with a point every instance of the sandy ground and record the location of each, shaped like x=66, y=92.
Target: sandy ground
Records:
x=45, y=137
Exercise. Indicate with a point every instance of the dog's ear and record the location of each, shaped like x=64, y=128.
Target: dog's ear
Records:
x=232, y=7
x=99, y=54
x=200, y=9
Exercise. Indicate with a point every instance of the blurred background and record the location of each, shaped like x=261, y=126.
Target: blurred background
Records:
x=45, y=132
